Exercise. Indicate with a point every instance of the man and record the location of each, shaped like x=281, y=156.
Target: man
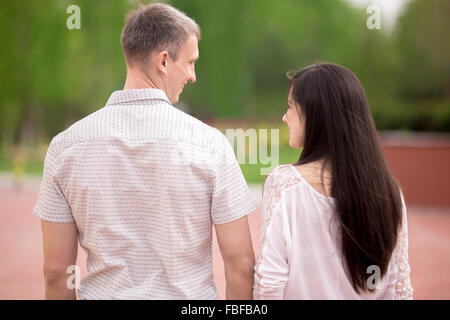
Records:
x=139, y=183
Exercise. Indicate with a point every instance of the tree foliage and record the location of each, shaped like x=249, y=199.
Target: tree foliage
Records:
x=53, y=76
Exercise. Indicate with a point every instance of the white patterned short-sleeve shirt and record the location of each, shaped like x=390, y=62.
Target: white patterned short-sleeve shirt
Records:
x=144, y=182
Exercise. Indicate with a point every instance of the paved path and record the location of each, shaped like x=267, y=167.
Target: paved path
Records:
x=21, y=247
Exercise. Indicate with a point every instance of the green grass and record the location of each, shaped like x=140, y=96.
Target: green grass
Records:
x=252, y=172
x=34, y=168
x=30, y=167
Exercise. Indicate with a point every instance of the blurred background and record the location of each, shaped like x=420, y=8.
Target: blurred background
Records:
x=52, y=76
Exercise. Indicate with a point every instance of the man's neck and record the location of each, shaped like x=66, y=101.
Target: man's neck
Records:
x=138, y=80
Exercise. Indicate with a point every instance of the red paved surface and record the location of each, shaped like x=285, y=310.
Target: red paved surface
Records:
x=21, y=249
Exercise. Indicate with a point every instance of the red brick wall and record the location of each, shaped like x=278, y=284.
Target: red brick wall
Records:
x=423, y=172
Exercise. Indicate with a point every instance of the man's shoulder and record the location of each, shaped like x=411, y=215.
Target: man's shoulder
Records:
x=188, y=128
x=199, y=131
x=193, y=121
x=76, y=132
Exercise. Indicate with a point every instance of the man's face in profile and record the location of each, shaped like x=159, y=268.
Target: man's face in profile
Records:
x=182, y=70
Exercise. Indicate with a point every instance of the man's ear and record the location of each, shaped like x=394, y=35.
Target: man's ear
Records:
x=161, y=61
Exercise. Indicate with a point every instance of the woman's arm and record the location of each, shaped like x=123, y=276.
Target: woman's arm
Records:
x=399, y=286
x=272, y=267
x=403, y=287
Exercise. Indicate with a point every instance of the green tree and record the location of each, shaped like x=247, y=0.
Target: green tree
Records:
x=424, y=69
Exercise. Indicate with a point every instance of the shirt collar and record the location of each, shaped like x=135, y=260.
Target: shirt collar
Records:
x=136, y=96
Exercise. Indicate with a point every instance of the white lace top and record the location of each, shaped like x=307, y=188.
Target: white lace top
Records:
x=299, y=256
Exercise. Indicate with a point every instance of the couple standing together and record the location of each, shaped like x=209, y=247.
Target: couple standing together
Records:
x=139, y=184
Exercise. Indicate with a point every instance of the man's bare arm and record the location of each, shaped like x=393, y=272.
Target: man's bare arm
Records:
x=235, y=244
x=60, y=242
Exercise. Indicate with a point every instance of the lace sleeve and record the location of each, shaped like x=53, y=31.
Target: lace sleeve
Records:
x=271, y=269
x=403, y=287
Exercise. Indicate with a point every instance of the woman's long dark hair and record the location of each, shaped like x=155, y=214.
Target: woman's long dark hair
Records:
x=339, y=128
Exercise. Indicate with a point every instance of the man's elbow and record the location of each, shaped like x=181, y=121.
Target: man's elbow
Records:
x=241, y=266
x=54, y=274
x=239, y=277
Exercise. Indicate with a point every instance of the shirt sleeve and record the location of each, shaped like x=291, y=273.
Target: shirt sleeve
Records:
x=403, y=287
x=51, y=204
x=272, y=267
x=231, y=198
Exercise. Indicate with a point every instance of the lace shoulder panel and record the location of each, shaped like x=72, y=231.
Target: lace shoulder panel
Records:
x=281, y=178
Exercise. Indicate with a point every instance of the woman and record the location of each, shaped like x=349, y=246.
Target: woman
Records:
x=334, y=223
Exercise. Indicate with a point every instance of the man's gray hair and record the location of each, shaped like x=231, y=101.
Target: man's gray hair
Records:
x=153, y=28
